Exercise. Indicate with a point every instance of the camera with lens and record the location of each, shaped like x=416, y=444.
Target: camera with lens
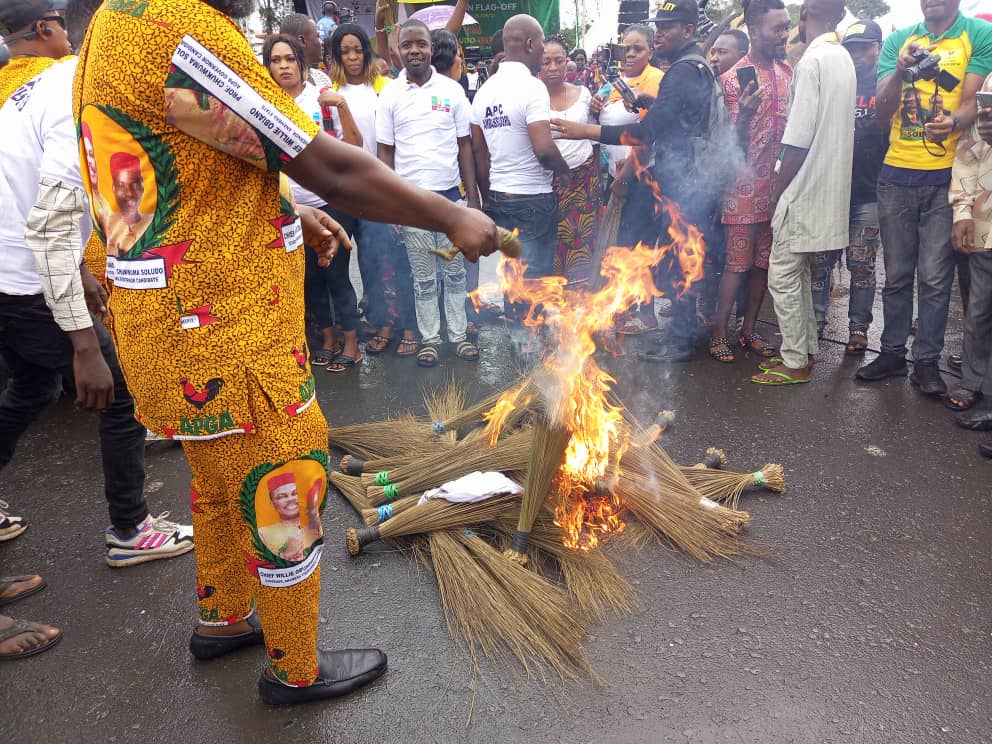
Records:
x=927, y=67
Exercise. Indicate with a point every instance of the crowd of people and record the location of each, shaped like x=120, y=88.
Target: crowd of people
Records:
x=226, y=197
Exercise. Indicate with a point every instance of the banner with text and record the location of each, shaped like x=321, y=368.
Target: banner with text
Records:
x=492, y=16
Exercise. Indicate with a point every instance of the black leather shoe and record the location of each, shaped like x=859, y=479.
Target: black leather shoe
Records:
x=884, y=365
x=985, y=449
x=954, y=361
x=978, y=418
x=927, y=378
x=207, y=647
x=666, y=354
x=338, y=673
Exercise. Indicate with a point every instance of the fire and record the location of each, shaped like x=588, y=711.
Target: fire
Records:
x=573, y=385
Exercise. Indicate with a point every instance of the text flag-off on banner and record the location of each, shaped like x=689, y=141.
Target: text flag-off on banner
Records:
x=492, y=16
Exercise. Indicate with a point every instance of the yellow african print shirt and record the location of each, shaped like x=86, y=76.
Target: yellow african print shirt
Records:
x=19, y=71
x=207, y=292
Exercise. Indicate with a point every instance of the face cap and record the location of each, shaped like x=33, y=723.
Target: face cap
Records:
x=675, y=11
x=863, y=32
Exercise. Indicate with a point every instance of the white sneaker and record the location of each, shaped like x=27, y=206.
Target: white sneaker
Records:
x=10, y=526
x=156, y=538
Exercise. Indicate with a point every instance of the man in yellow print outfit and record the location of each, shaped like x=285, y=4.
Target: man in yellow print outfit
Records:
x=237, y=391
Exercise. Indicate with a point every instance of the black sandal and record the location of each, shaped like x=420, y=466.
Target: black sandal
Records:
x=427, y=356
x=962, y=399
x=724, y=357
x=754, y=342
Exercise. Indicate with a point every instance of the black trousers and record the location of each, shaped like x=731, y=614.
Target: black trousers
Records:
x=38, y=354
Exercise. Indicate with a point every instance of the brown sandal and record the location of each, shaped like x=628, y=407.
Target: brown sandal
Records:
x=407, y=347
x=857, y=343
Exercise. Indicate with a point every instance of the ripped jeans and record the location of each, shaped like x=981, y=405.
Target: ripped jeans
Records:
x=861, y=253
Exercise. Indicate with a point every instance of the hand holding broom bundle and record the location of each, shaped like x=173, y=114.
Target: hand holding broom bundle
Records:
x=509, y=245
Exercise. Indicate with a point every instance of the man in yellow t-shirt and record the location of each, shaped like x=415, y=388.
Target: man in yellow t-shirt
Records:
x=929, y=100
x=207, y=304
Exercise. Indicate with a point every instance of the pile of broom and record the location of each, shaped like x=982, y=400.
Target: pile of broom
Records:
x=509, y=587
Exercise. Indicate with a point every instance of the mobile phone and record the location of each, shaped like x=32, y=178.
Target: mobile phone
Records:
x=747, y=75
x=627, y=93
x=984, y=99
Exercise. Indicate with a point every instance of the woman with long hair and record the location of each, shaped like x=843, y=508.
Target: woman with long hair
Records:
x=385, y=269
x=282, y=55
x=578, y=190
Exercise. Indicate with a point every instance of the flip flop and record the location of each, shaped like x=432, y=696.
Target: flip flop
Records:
x=18, y=627
x=785, y=379
x=323, y=357
x=378, y=344
x=857, y=343
x=756, y=343
x=8, y=581
x=407, y=347
x=770, y=363
x=343, y=362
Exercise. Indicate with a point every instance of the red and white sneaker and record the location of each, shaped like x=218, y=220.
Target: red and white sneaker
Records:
x=156, y=538
x=10, y=526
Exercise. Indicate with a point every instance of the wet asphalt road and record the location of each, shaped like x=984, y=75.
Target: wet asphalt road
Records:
x=867, y=622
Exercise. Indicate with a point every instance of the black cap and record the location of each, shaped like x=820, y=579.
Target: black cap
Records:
x=18, y=14
x=859, y=32
x=675, y=11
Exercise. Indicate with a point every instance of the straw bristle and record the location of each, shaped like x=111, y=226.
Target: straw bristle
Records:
x=373, y=516
x=438, y=514
x=774, y=478
x=351, y=541
x=553, y=632
x=399, y=436
x=353, y=490
x=444, y=404
x=547, y=451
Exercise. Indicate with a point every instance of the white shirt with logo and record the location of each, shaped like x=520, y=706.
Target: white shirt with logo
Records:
x=423, y=124
x=39, y=140
x=309, y=102
x=509, y=101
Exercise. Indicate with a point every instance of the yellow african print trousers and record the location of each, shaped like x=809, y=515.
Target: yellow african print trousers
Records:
x=256, y=502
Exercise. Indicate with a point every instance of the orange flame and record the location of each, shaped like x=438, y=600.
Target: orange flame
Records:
x=573, y=385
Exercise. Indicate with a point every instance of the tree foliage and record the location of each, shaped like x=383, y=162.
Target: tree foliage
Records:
x=868, y=8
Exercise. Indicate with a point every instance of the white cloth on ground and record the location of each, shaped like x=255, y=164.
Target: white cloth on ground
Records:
x=473, y=487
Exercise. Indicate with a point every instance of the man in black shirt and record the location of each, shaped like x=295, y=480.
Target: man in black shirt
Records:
x=863, y=41
x=679, y=115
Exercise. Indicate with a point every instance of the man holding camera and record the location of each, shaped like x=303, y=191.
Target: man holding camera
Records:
x=928, y=76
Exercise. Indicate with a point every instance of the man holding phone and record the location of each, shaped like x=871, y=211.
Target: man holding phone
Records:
x=756, y=90
x=913, y=209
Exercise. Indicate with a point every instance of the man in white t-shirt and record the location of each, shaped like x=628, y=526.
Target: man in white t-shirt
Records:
x=422, y=129
x=515, y=157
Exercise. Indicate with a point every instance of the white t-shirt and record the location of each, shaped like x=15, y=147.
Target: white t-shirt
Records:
x=362, y=101
x=309, y=101
x=612, y=115
x=575, y=152
x=509, y=101
x=423, y=124
x=39, y=139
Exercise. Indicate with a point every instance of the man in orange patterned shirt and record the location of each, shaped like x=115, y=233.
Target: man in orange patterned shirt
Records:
x=207, y=304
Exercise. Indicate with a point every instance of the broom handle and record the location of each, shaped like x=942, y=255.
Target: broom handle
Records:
x=509, y=246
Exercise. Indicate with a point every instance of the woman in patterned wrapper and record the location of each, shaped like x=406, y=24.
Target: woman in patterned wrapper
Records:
x=287, y=538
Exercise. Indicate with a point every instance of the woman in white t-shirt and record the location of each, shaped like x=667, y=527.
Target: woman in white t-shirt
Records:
x=578, y=191
x=282, y=55
x=386, y=275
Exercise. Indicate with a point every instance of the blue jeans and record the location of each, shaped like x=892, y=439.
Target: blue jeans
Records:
x=38, y=354
x=379, y=247
x=862, y=250
x=536, y=217
x=916, y=226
